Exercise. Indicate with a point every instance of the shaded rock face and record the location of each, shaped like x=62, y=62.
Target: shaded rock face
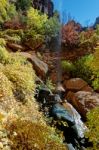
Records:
x=39, y=66
x=83, y=101
x=45, y=6
x=77, y=84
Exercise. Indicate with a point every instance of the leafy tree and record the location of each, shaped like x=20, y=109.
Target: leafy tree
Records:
x=52, y=27
x=70, y=34
x=34, y=33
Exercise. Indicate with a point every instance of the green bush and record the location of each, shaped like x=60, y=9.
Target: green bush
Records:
x=67, y=67
x=11, y=12
x=14, y=36
x=36, y=20
x=4, y=55
x=40, y=28
x=50, y=85
x=94, y=65
x=35, y=32
x=87, y=68
x=7, y=100
x=93, y=125
x=88, y=39
x=52, y=27
x=33, y=136
x=7, y=11
x=2, y=42
x=5, y=87
x=82, y=69
x=23, y=4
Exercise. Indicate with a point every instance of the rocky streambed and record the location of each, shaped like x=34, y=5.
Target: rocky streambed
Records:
x=67, y=119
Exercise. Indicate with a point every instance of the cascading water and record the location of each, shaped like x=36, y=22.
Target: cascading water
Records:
x=74, y=133
x=69, y=113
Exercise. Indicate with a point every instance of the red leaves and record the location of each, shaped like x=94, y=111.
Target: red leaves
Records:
x=70, y=33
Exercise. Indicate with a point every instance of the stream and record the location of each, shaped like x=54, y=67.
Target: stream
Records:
x=53, y=106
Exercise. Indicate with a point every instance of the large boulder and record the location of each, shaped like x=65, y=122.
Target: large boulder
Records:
x=77, y=84
x=39, y=66
x=83, y=101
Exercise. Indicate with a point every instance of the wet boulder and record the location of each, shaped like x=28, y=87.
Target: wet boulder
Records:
x=83, y=101
x=79, y=127
x=77, y=84
x=59, y=112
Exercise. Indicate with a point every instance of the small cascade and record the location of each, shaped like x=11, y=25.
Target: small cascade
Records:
x=53, y=106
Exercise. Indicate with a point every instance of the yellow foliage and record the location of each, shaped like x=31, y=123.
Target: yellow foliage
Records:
x=33, y=136
x=93, y=125
x=7, y=100
x=19, y=72
x=7, y=10
x=23, y=79
x=4, y=55
x=35, y=19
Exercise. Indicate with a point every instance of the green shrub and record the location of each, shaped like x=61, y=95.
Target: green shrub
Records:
x=33, y=136
x=11, y=12
x=88, y=39
x=82, y=69
x=67, y=66
x=4, y=55
x=11, y=35
x=2, y=42
x=7, y=11
x=5, y=87
x=52, y=27
x=23, y=4
x=12, y=32
x=34, y=34
x=87, y=68
x=18, y=60
x=36, y=20
x=94, y=65
x=50, y=85
x=93, y=125
x=7, y=100
x=40, y=28
x=3, y=11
